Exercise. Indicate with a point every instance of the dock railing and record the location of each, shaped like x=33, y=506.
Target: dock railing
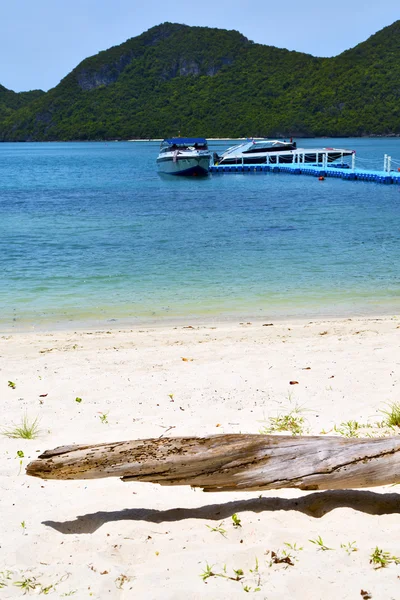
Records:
x=387, y=163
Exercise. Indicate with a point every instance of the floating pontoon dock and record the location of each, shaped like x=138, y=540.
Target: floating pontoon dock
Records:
x=323, y=169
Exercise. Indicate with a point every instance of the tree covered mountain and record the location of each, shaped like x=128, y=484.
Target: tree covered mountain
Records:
x=213, y=82
x=11, y=101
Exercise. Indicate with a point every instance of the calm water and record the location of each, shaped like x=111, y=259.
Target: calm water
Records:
x=91, y=232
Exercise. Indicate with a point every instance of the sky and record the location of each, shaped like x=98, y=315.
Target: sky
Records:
x=41, y=41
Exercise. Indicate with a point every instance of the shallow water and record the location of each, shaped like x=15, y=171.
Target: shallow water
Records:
x=89, y=232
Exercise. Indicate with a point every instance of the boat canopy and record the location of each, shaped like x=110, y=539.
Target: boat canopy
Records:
x=181, y=141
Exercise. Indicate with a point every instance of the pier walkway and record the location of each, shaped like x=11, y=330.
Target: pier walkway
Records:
x=330, y=170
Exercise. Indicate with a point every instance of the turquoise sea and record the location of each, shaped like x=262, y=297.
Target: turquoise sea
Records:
x=91, y=234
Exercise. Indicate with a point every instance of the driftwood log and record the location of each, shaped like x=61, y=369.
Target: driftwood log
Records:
x=232, y=462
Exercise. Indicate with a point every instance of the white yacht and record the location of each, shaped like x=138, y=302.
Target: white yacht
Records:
x=184, y=156
x=277, y=152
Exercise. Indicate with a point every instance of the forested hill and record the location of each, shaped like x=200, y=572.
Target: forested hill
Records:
x=211, y=82
x=11, y=101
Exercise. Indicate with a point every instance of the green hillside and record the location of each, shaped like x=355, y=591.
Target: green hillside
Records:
x=212, y=82
x=11, y=101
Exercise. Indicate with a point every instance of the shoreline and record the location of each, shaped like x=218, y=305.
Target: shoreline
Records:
x=215, y=139
x=160, y=322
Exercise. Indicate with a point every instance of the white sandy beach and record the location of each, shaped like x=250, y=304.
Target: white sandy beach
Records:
x=108, y=539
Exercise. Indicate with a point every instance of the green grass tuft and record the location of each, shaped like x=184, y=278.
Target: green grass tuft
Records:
x=292, y=421
x=392, y=415
x=348, y=428
x=381, y=559
x=27, y=430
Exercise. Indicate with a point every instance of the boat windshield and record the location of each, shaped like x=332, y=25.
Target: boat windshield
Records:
x=183, y=143
x=258, y=146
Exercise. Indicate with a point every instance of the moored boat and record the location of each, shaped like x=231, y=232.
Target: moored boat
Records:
x=184, y=156
x=278, y=152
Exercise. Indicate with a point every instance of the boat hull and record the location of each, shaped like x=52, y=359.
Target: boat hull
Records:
x=186, y=166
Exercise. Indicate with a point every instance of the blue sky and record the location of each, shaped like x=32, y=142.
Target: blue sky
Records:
x=43, y=40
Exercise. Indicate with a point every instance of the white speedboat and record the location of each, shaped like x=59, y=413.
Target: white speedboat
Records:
x=184, y=156
x=272, y=152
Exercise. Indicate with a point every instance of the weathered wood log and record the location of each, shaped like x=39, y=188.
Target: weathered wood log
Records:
x=232, y=462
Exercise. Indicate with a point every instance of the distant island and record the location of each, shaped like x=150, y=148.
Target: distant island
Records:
x=213, y=83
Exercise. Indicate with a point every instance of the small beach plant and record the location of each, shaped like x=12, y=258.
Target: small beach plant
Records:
x=392, y=415
x=257, y=577
x=318, y=542
x=238, y=575
x=45, y=590
x=11, y=385
x=294, y=547
x=208, y=572
x=20, y=455
x=281, y=557
x=104, y=418
x=27, y=584
x=292, y=421
x=5, y=576
x=256, y=567
x=218, y=529
x=236, y=521
x=27, y=430
x=381, y=559
x=350, y=547
x=348, y=428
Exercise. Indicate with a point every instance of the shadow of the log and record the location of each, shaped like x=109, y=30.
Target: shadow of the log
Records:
x=315, y=505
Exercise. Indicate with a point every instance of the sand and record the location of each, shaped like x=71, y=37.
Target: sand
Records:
x=108, y=539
